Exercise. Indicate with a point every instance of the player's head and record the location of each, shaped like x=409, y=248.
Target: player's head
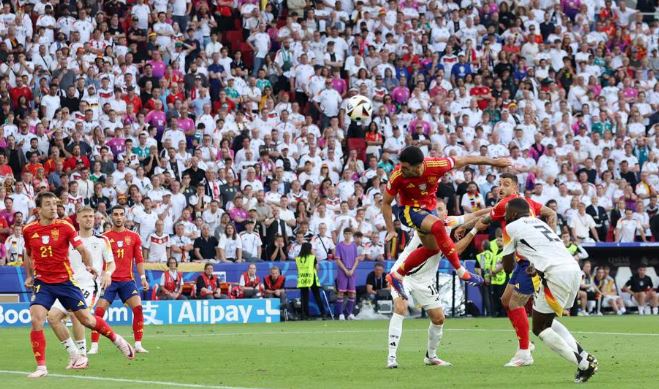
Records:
x=85, y=218
x=118, y=215
x=411, y=160
x=516, y=208
x=46, y=202
x=508, y=185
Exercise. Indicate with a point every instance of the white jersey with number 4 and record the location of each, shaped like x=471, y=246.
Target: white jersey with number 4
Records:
x=427, y=271
x=101, y=253
x=534, y=240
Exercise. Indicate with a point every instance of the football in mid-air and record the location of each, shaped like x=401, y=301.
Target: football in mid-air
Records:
x=359, y=108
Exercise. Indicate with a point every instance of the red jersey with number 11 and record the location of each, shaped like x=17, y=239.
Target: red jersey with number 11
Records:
x=419, y=192
x=126, y=247
x=48, y=247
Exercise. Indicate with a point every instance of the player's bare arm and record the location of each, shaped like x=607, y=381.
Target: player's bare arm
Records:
x=549, y=215
x=461, y=162
x=470, y=221
x=106, y=276
x=86, y=259
x=140, y=271
x=27, y=266
x=387, y=212
x=508, y=262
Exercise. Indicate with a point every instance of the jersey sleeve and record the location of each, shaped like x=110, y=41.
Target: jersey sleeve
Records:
x=137, y=249
x=72, y=235
x=107, y=250
x=394, y=182
x=26, y=238
x=536, y=207
x=437, y=167
x=509, y=241
x=498, y=212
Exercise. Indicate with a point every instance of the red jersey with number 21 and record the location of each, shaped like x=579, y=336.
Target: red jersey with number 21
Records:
x=126, y=246
x=48, y=247
x=419, y=192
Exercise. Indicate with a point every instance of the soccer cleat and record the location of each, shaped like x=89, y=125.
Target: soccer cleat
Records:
x=521, y=358
x=472, y=278
x=392, y=363
x=351, y=317
x=584, y=375
x=434, y=361
x=78, y=362
x=342, y=317
x=397, y=284
x=531, y=346
x=93, y=349
x=139, y=348
x=40, y=372
x=124, y=347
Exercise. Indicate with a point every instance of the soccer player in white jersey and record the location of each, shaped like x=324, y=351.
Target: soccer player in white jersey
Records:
x=421, y=285
x=101, y=254
x=533, y=240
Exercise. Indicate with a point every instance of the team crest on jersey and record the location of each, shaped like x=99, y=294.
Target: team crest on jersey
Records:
x=423, y=187
x=432, y=180
x=45, y=239
x=55, y=234
x=120, y=243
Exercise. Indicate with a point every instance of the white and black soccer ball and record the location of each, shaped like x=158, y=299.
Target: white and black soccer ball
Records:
x=359, y=108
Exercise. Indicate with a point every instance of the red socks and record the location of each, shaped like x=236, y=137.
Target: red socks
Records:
x=520, y=323
x=445, y=244
x=38, y=340
x=416, y=258
x=138, y=323
x=104, y=329
x=98, y=312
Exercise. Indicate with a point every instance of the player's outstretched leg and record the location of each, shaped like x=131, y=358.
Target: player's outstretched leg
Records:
x=396, y=330
x=514, y=304
x=435, y=332
x=99, y=312
x=99, y=325
x=561, y=341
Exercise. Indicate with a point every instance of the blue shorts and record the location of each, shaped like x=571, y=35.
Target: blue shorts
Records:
x=522, y=282
x=125, y=289
x=69, y=295
x=412, y=217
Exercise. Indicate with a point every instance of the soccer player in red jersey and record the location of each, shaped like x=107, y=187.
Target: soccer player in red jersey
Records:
x=46, y=257
x=415, y=181
x=521, y=285
x=126, y=249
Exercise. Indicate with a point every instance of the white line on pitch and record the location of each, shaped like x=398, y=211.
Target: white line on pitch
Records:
x=379, y=330
x=132, y=381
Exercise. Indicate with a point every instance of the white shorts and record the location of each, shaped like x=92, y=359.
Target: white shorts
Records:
x=423, y=294
x=606, y=300
x=89, y=292
x=557, y=292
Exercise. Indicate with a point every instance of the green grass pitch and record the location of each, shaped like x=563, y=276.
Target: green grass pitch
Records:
x=325, y=354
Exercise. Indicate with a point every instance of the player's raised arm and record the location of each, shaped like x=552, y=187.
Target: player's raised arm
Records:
x=461, y=162
x=549, y=215
x=387, y=212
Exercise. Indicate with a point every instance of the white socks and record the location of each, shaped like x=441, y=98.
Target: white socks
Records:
x=395, y=331
x=70, y=347
x=434, y=337
x=82, y=346
x=563, y=332
x=460, y=271
x=562, y=348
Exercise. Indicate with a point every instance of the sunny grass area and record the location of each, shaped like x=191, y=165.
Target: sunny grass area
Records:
x=347, y=355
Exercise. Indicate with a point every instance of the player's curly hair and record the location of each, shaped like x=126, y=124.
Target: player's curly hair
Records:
x=412, y=155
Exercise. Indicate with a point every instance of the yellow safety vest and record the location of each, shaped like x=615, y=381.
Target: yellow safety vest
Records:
x=488, y=260
x=306, y=271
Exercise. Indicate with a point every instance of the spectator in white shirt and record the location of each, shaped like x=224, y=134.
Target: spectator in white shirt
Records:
x=251, y=243
x=582, y=225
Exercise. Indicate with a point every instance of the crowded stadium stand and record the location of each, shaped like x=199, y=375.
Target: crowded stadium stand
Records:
x=221, y=126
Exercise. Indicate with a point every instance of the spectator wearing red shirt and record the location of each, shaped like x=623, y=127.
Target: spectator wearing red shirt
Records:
x=34, y=163
x=132, y=98
x=483, y=93
x=20, y=90
x=72, y=162
x=175, y=94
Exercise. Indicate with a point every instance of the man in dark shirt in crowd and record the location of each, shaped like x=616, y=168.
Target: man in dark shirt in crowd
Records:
x=206, y=246
x=640, y=285
x=376, y=285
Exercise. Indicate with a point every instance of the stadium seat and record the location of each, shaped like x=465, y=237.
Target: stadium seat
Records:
x=623, y=274
x=248, y=54
x=478, y=241
x=234, y=39
x=358, y=144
